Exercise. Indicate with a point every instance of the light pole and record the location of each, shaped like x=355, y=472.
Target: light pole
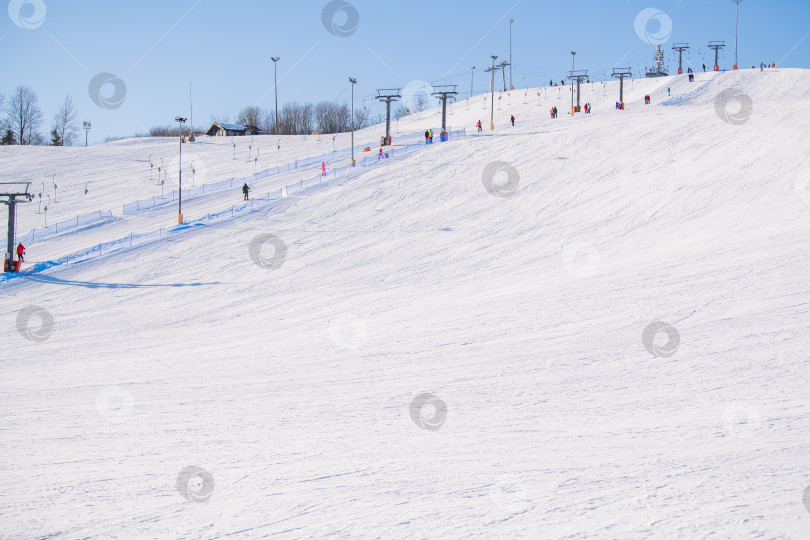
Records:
x=275, y=60
x=472, y=80
x=87, y=127
x=736, y=32
x=511, y=81
x=492, y=91
x=353, y=81
x=180, y=121
x=573, y=58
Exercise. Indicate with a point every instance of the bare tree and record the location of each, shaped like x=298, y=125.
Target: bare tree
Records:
x=65, y=122
x=250, y=116
x=24, y=114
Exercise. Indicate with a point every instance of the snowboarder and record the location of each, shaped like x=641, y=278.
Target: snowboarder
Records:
x=513, y=120
x=246, y=190
x=480, y=129
x=20, y=252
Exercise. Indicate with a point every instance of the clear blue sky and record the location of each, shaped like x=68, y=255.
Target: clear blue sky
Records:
x=156, y=47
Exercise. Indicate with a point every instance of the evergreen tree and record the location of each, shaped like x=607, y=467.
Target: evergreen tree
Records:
x=8, y=138
x=56, y=140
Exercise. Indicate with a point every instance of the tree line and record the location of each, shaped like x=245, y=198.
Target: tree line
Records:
x=23, y=119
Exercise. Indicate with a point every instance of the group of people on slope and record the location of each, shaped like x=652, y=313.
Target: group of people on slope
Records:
x=429, y=136
x=481, y=129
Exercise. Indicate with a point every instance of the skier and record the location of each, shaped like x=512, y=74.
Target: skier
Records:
x=245, y=190
x=669, y=91
x=480, y=129
x=323, y=168
x=551, y=112
x=427, y=136
x=704, y=68
x=555, y=111
x=617, y=105
x=513, y=120
x=20, y=252
x=430, y=133
x=551, y=82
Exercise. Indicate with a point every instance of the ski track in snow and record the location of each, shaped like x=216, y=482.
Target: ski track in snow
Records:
x=523, y=315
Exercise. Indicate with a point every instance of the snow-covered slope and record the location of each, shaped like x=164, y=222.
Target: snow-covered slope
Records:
x=298, y=384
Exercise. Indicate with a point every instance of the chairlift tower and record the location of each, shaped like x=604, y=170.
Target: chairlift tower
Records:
x=621, y=73
x=578, y=76
x=680, y=47
x=12, y=194
x=443, y=92
x=388, y=95
x=717, y=46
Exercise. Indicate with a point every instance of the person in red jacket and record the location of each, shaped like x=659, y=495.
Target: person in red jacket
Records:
x=513, y=120
x=20, y=251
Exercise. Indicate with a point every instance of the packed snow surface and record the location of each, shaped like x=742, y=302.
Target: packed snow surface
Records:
x=588, y=327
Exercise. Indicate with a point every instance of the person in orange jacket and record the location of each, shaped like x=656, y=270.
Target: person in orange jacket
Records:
x=20, y=251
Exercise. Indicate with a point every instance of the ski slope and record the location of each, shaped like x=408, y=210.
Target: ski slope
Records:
x=292, y=384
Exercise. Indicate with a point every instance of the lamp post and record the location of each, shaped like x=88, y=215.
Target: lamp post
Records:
x=472, y=80
x=511, y=81
x=736, y=32
x=275, y=60
x=87, y=127
x=492, y=91
x=353, y=81
x=180, y=121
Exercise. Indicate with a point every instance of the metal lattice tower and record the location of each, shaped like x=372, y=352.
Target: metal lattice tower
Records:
x=621, y=73
x=717, y=45
x=680, y=47
x=503, y=65
x=388, y=95
x=443, y=92
x=579, y=76
x=9, y=196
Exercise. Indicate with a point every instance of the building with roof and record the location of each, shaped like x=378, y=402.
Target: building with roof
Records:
x=218, y=129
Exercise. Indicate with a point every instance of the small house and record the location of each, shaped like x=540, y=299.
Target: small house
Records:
x=232, y=130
